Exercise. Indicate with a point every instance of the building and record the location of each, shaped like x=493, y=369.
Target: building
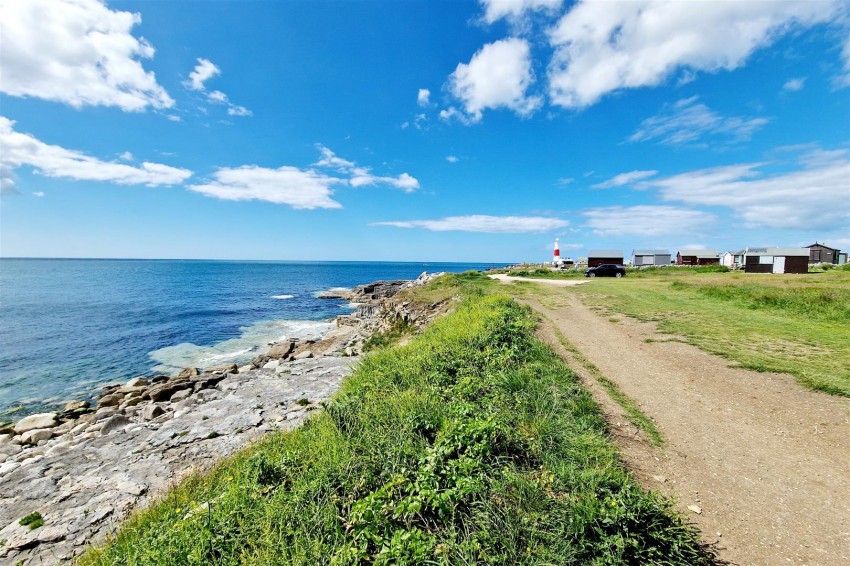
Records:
x=641, y=258
x=697, y=257
x=776, y=260
x=599, y=257
x=821, y=253
x=733, y=260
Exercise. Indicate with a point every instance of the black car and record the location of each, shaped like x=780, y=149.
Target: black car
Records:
x=606, y=270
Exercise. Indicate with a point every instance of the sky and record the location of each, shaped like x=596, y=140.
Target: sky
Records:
x=421, y=130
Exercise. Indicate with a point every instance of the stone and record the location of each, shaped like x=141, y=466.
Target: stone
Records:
x=74, y=406
x=104, y=413
x=4, y=438
x=131, y=391
x=164, y=391
x=111, y=400
x=224, y=368
x=281, y=349
x=130, y=402
x=11, y=448
x=244, y=369
x=306, y=354
x=181, y=395
x=151, y=412
x=159, y=379
x=695, y=508
x=114, y=423
x=136, y=382
x=37, y=421
x=36, y=436
x=8, y=467
x=188, y=372
x=272, y=364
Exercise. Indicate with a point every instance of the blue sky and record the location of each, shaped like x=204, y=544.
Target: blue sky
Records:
x=421, y=131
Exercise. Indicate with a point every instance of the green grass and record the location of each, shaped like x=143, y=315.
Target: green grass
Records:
x=795, y=324
x=472, y=444
x=33, y=520
x=634, y=414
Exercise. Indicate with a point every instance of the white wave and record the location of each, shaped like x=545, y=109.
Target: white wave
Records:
x=254, y=340
x=283, y=297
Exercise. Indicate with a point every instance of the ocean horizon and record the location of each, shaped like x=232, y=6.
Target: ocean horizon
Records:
x=70, y=325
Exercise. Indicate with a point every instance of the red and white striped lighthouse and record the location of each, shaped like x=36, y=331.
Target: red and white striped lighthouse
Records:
x=557, y=254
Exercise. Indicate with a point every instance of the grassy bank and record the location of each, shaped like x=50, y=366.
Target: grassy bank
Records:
x=473, y=444
x=794, y=324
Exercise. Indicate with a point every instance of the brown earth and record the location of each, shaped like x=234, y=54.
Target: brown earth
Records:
x=766, y=461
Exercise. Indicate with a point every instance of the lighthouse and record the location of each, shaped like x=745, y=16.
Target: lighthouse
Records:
x=556, y=256
x=557, y=260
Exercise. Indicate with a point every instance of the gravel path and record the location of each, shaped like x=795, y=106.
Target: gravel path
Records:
x=766, y=462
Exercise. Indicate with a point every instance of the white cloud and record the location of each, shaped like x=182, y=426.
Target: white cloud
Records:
x=624, y=179
x=813, y=196
x=362, y=176
x=78, y=52
x=238, y=111
x=497, y=76
x=174, y=118
x=204, y=70
x=482, y=223
x=54, y=161
x=424, y=97
x=512, y=9
x=301, y=189
x=126, y=156
x=645, y=220
x=688, y=121
x=38, y=193
x=217, y=96
x=601, y=47
x=452, y=158
x=794, y=85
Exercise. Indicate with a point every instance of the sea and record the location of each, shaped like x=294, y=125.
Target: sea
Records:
x=69, y=326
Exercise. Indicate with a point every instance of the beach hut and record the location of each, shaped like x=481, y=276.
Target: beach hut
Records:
x=776, y=260
x=600, y=257
x=697, y=257
x=821, y=253
x=643, y=258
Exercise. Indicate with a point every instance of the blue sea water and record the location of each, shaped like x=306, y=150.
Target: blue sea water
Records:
x=69, y=326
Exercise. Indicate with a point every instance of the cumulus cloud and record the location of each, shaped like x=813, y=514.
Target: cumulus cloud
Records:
x=482, y=223
x=362, y=176
x=78, y=52
x=452, y=158
x=20, y=149
x=38, y=193
x=645, y=220
x=512, y=9
x=498, y=76
x=235, y=110
x=624, y=179
x=811, y=194
x=602, y=47
x=424, y=97
x=794, y=85
x=204, y=70
x=301, y=189
x=688, y=121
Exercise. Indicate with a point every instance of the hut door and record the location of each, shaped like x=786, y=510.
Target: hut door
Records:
x=779, y=264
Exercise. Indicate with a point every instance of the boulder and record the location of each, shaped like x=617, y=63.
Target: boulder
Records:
x=150, y=412
x=159, y=379
x=281, y=349
x=188, y=372
x=75, y=406
x=137, y=381
x=207, y=380
x=180, y=395
x=224, y=368
x=303, y=355
x=114, y=422
x=164, y=391
x=247, y=368
x=272, y=364
x=37, y=421
x=110, y=400
x=37, y=435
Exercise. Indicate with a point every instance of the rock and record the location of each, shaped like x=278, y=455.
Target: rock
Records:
x=137, y=381
x=272, y=364
x=281, y=349
x=164, y=391
x=151, y=412
x=306, y=354
x=225, y=368
x=131, y=391
x=159, y=379
x=104, y=413
x=695, y=508
x=74, y=406
x=111, y=400
x=130, y=402
x=11, y=448
x=114, y=423
x=32, y=422
x=36, y=435
x=188, y=372
x=180, y=395
x=8, y=467
x=659, y=479
x=244, y=369
x=4, y=438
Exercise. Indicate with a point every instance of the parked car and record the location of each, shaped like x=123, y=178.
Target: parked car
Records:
x=606, y=270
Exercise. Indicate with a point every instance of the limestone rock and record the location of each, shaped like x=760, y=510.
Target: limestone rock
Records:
x=150, y=412
x=37, y=435
x=181, y=395
x=32, y=422
x=281, y=349
x=114, y=423
x=110, y=400
x=224, y=368
x=73, y=406
x=188, y=372
x=164, y=391
x=306, y=354
x=272, y=364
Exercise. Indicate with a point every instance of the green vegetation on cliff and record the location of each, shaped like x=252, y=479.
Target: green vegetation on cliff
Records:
x=472, y=444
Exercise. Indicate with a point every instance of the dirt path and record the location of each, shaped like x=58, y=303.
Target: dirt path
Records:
x=767, y=461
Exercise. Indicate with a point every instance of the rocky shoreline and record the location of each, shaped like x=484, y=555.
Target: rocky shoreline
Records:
x=81, y=470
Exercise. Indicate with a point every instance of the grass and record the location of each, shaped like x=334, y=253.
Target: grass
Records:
x=634, y=414
x=33, y=520
x=795, y=324
x=472, y=444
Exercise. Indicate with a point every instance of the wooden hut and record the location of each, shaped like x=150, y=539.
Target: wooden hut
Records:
x=600, y=257
x=776, y=260
x=697, y=257
x=821, y=253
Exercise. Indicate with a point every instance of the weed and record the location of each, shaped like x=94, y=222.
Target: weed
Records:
x=213, y=434
x=33, y=520
x=303, y=402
